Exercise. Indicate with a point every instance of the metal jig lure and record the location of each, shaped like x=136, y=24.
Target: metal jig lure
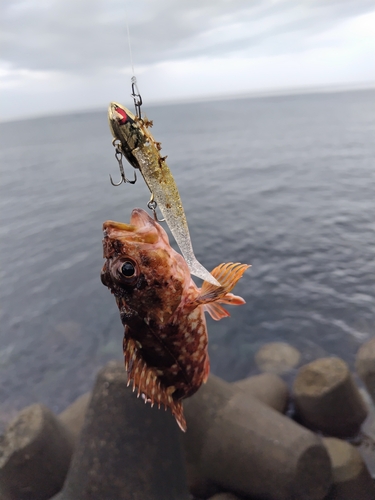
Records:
x=133, y=140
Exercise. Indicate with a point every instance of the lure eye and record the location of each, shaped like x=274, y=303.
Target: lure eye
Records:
x=128, y=269
x=122, y=114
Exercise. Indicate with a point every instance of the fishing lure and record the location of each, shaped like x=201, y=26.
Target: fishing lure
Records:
x=133, y=139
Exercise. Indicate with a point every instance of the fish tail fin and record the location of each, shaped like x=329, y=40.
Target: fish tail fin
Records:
x=211, y=296
x=145, y=380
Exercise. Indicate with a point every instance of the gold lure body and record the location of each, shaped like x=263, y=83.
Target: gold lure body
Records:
x=143, y=152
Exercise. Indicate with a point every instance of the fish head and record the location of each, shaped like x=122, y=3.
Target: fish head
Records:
x=146, y=275
x=124, y=127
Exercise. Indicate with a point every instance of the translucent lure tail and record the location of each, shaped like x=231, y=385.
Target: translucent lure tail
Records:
x=161, y=183
x=196, y=269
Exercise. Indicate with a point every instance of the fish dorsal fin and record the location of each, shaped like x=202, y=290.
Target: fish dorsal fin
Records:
x=228, y=276
x=146, y=381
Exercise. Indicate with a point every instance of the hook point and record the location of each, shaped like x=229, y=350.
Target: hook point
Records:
x=114, y=183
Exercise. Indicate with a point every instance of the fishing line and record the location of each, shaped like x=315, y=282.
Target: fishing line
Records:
x=130, y=46
x=135, y=92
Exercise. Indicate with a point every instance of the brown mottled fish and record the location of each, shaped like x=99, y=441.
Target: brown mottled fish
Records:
x=165, y=338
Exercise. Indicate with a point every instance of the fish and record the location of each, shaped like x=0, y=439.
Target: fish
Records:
x=143, y=153
x=162, y=310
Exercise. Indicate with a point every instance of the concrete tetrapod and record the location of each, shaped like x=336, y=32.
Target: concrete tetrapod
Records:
x=74, y=415
x=35, y=454
x=327, y=398
x=224, y=496
x=351, y=479
x=127, y=450
x=365, y=365
x=277, y=357
x=268, y=388
x=250, y=449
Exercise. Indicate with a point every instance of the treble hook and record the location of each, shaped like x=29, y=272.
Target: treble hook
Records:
x=136, y=97
x=118, y=156
x=152, y=206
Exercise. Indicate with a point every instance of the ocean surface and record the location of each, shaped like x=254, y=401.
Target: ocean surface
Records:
x=283, y=183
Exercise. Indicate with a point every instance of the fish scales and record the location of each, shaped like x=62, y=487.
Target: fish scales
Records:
x=162, y=310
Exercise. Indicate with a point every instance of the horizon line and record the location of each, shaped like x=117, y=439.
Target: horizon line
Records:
x=255, y=94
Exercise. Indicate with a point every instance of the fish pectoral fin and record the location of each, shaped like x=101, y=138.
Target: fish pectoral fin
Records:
x=233, y=300
x=228, y=276
x=216, y=311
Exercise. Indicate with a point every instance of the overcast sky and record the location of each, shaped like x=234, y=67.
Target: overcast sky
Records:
x=63, y=55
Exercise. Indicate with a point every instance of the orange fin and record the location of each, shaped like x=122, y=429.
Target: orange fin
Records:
x=216, y=311
x=234, y=300
x=228, y=276
x=145, y=380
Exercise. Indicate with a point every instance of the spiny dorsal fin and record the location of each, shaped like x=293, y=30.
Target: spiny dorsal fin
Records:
x=228, y=276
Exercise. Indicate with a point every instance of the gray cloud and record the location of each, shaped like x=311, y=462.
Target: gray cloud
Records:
x=86, y=36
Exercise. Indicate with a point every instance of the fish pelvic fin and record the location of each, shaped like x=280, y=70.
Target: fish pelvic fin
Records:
x=211, y=296
x=147, y=383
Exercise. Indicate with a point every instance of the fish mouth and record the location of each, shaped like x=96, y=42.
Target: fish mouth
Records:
x=141, y=228
x=139, y=218
x=118, y=226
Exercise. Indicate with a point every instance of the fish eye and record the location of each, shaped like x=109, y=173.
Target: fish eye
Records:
x=128, y=269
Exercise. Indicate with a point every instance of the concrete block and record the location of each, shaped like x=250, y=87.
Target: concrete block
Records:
x=250, y=449
x=351, y=479
x=225, y=496
x=35, y=454
x=277, y=357
x=327, y=399
x=127, y=450
x=267, y=388
x=365, y=365
x=74, y=415
x=199, y=485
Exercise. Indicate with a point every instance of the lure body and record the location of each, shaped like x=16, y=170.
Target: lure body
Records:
x=142, y=152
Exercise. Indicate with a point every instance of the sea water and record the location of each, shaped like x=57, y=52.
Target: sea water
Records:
x=284, y=183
